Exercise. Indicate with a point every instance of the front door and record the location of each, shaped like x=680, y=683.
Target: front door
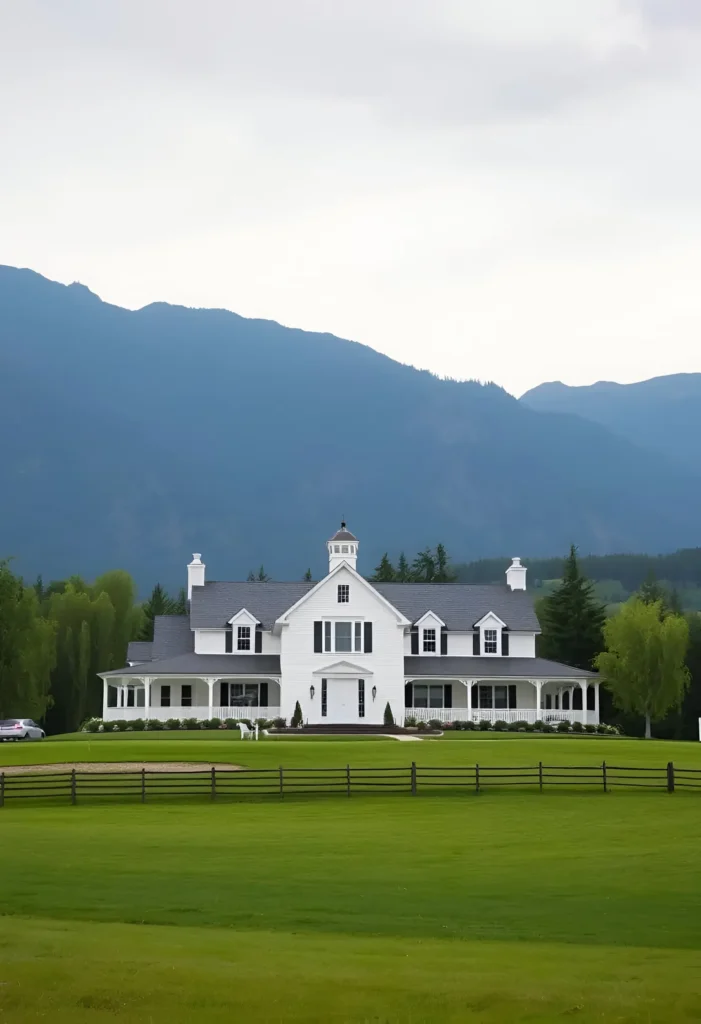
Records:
x=342, y=701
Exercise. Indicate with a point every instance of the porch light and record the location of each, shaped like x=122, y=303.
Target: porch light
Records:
x=374, y=692
x=312, y=691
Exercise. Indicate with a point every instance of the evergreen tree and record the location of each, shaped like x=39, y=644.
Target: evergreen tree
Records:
x=424, y=567
x=262, y=576
x=651, y=591
x=27, y=649
x=403, y=574
x=251, y=578
x=388, y=717
x=444, y=572
x=180, y=603
x=159, y=603
x=297, y=718
x=644, y=663
x=572, y=619
x=384, y=572
x=307, y=576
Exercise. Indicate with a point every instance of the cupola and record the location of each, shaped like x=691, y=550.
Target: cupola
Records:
x=343, y=547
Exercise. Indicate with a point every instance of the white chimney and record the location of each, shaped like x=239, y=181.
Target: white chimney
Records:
x=195, y=574
x=515, y=575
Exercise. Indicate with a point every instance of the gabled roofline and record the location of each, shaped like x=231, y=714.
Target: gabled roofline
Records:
x=494, y=616
x=243, y=611
x=433, y=615
x=401, y=619
x=343, y=668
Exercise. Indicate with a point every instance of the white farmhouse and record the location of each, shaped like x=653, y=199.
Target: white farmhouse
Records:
x=345, y=648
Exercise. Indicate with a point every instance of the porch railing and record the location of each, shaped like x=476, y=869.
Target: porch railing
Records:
x=199, y=711
x=500, y=715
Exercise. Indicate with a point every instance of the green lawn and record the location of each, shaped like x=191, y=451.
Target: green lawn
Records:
x=514, y=908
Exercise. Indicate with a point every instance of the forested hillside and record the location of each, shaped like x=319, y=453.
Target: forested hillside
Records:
x=131, y=439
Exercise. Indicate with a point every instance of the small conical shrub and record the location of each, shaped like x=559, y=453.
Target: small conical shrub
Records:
x=297, y=717
x=389, y=717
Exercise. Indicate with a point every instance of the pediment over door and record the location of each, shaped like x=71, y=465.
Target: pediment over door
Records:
x=344, y=668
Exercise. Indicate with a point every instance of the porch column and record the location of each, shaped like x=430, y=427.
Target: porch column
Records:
x=470, y=684
x=538, y=683
x=596, y=703
x=583, y=685
x=147, y=694
x=210, y=683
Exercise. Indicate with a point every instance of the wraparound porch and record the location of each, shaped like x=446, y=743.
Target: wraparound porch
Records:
x=508, y=700
x=163, y=697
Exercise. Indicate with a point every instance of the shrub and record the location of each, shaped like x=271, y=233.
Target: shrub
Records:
x=410, y=721
x=172, y=723
x=262, y=723
x=530, y=727
x=297, y=719
x=435, y=723
x=546, y=727
x=563, y=726
x=211, y=723
x=577, y=727
x=121, y=726
x=388, y=717
x=468, y=725
x=191, y=723
x=539, y=725
x=230, y=723
x=279, y=723
x=484, y=725
x=153, y=725
x=601, y=728
x=589, y=727
x=138, y=725
x=92, y=725
x=519, y=726
x=500, y=726
x=422, y=726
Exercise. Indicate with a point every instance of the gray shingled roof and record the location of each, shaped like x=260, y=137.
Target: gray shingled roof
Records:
x=207, y=665
x=139, y=651
x=213, y=604
x=460, y=605
x=489, y=668
x=171, y=635
x=343, y=534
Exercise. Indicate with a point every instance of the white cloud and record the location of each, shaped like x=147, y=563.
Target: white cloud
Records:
x=490, y=189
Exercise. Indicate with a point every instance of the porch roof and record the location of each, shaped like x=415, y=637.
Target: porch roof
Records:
x=205, y=665
x=487, y=668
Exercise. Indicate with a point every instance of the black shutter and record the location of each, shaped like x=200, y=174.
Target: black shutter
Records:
x=415, y=640
x=259, y=642
x=367, y=629
x=512, y=696
x=224, y=695
x=448, y=695
x=407, y=695
x=317, y=638
x=444, y=643
x=591, y=698
x=504, y=643
x=264, y=695
x=476, y=644
x=474, y=696
x=229, y=640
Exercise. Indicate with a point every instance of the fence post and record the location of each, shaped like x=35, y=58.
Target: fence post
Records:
x=214, y=783
x=413, y=778
x=74, y=788
x=143, y=785
x=670, y=777
x=281, y=782
x=477, y=778
x=348, y=791
x=603, y=774
x=2, y=789
x=540, y=776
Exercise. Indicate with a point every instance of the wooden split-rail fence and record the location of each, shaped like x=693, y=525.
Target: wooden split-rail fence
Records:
x=226, y=784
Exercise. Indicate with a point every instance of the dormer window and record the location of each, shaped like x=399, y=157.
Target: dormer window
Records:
x=490, y=641
x=343, y=593
x=243, y=638
x=429, y=641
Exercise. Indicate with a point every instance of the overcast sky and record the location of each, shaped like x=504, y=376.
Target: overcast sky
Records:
x=501, y=189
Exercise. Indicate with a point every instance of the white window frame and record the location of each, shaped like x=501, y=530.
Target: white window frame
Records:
x=429, y=695
x=343, y=593
x=485, y=641
x=357, y=638
x=429, y=636
x=492, y=688
x=243, y=638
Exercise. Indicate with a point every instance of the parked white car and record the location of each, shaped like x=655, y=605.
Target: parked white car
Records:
x=20, y=729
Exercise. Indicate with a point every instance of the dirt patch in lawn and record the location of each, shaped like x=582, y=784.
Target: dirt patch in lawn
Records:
x=117, y=766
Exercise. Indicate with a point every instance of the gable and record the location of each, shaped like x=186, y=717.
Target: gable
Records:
x=460, y=605
x=344, y=668
x=322, y=600
x=490, y=621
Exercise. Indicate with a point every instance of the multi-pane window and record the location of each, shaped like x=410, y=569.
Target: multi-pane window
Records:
x=165, y=696
x=186, y=695
x=490, y=641
x=361, y=698
x=493, y=696
x=242, y=695
x=430, y=640
x=343, y=637
x=343, y=593
x=243, y=638
x=428, y=696
x=324, y=695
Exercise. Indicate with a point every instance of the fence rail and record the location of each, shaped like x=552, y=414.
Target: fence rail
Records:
x=225, y=783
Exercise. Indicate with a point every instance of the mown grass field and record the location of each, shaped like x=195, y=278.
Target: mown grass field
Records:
x=511, y=907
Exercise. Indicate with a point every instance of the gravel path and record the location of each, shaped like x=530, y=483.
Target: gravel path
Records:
x=117, y=766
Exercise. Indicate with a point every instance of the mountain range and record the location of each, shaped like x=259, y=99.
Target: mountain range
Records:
x=132, y=438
